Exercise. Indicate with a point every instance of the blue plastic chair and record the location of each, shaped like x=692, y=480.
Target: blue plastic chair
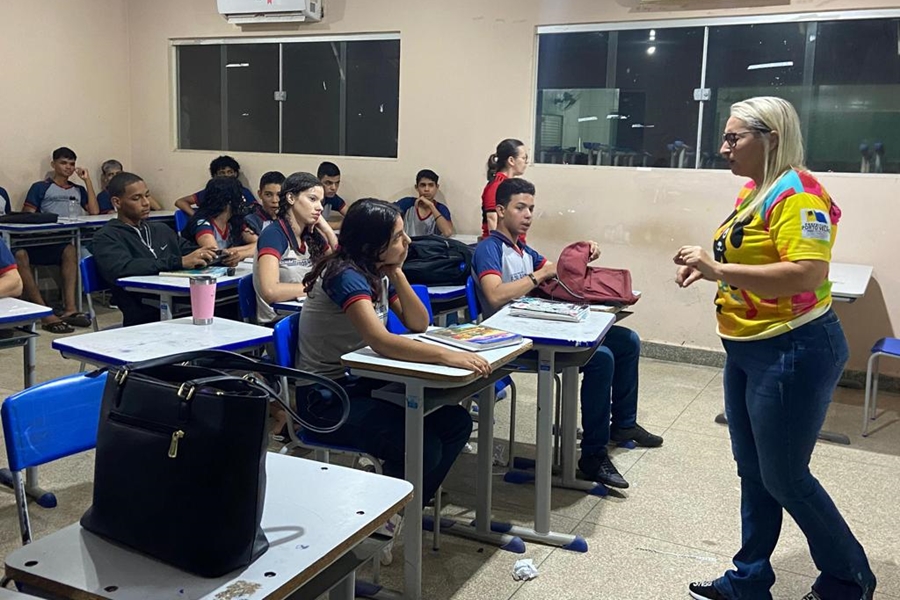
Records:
x=395, y=325
x=181, y=220
x=883, y=347
x=91, y=282
x=247, y=298
x=46, y=422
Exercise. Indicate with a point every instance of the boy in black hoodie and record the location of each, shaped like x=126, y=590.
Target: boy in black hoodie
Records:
x=129, y=245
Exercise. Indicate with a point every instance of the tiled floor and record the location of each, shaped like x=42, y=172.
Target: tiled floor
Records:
x=678, y=522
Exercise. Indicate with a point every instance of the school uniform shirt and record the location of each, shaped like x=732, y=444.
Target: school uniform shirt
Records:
x=104, y=201
x=7, y=260
x=335, y=203
x=797, y=221
x=198, y=197
x=204, y=226
x=497, y=255
x=46, y=196
x=294, y=262
x=325, y=332
x=414, y=224
x=4, y=202
x=257, y=220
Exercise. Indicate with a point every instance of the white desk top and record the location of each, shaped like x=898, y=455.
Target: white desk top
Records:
x=366, y=359
x=446, y=292
x=555, y=333
x=849, y=281
x=313, y=514
x=16, y=312
x=180, y=285
x=163, y=338
x=84, y=221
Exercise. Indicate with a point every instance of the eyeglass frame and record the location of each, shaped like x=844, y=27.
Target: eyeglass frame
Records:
x=737, y=135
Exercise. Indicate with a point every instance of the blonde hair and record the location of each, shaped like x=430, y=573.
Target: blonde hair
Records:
x=766, y=115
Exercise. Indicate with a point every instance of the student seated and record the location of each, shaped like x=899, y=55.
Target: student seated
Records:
x=108, y=170
x=286, y=250
x=130, y=245
x=349, y=292
x=265, y=211
x=10, y=282
x=333, y=206
x=223, y=166
x=219, y=222
x=58, y=195
x=423, y=214
x=506, y=270
x=5, y=207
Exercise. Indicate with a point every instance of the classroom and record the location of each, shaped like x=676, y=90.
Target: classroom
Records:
x=620, y=107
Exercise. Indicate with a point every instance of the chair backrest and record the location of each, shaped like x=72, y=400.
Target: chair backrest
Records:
x=395, y=325
x=285, y=340
x=181, y=219
x=53, y=419
x=472, y=303
x=247, y=298
x=90, y=278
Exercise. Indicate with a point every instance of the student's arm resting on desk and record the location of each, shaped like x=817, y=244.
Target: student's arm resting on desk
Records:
x=362, y=314
x=270, y=288
x=488, y=266
x=154, y=203
x=115, y=260
x=186, y=204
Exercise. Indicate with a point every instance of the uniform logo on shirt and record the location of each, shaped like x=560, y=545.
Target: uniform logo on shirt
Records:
x=815, y=224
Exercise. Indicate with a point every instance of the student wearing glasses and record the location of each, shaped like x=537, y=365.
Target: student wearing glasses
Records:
x=785, y=351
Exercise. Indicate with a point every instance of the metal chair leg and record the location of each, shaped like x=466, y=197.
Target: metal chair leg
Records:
x=436, y=533
x=22, y=506
x=871, y=392
x=512, y=424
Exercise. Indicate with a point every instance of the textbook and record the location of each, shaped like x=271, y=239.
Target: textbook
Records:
x=210, y=271
x=470, y=336
x=552, y=310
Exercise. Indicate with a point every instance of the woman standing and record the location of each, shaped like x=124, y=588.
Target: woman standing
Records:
x=510, y=160
x=785, y=352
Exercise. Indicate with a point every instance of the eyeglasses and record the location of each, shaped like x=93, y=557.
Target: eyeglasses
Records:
x=731, y=138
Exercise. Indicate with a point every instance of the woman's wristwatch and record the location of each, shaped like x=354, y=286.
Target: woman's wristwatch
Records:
x=533, y=279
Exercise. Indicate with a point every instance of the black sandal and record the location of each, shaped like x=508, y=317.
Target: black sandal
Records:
x=58, y=327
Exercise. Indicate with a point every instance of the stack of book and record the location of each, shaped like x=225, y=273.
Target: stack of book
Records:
x=551, y=310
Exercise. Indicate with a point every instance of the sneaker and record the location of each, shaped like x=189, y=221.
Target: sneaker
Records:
x=812, y=595
x=641, y=436
x=599, y=467
x=390, y=529
x=705, y=590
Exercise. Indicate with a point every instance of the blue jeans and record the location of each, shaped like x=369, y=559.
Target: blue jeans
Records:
x=777, y=392
x=378, y=427
x=609, y=389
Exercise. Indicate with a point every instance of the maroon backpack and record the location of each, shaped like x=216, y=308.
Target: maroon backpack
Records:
x=577, y=282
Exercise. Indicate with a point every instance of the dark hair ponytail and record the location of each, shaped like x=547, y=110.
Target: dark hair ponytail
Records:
x=508, y=148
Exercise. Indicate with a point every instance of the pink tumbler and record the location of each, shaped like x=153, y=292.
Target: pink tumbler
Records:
x=203, y=299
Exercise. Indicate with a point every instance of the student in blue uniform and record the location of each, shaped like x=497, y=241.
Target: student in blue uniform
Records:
x=333, y=206
x=265, y=211
x=219, y=222
x=10, y=282
x=57, y=194
x=505, y=270
x=423, y=214
x=349, y=293
x=109, y=169
x=286, y=250
x=5, y=206
x=223, y=166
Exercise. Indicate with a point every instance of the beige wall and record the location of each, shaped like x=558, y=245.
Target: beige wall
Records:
x=467, y=71
x=65, y=78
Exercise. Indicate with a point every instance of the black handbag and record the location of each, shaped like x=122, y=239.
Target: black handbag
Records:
x=180, y=467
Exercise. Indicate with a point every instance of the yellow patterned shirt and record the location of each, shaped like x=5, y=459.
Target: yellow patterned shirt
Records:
x=797, y=221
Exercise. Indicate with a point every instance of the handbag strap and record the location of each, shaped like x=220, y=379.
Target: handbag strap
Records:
x=222, y=359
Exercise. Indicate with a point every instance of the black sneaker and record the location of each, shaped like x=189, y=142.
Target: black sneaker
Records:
x=641, y=436
x=812, y=595
x=705, y=590
x=599, y=467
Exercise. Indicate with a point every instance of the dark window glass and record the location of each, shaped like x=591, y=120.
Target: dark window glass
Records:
x=373, y=105
x=312, y=112
x=751, y=60
x=200, y=97
x=251, y=75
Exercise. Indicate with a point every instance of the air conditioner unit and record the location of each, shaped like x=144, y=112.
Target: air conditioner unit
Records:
x=243, y=12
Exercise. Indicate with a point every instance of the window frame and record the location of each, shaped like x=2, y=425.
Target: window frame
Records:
x=706, y=24
x=175, y=43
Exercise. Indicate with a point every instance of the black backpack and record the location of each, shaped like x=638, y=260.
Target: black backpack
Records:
x=436, y=260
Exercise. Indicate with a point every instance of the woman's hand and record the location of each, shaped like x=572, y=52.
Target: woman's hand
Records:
x=699, y=260
x=467, y=360
x=685, y=276
x=393, y=272
x=230, y=258
x=595, y=250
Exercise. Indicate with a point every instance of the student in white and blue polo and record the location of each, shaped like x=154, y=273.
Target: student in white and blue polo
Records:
x=10, y=282
x=424, y=214
x=5, y=206
x=265, y=211
x=333, y=206
x=219, y=223
x=505, y=270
